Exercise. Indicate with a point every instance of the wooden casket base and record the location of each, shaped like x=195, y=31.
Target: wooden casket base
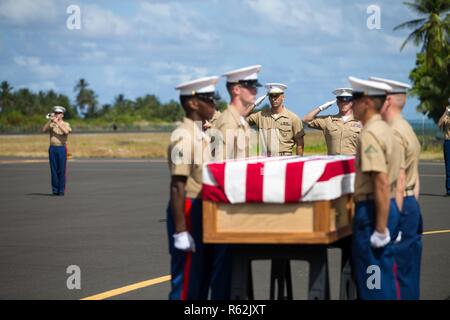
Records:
x=318, y=222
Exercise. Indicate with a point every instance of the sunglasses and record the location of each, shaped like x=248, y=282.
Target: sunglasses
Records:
x=209, y=98
x=275, y=95
x=57, y=112
x=344, y=99
x=249, y=84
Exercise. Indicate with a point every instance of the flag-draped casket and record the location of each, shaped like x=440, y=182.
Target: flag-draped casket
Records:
x=278, y=199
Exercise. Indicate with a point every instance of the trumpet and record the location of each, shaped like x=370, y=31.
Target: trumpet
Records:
x=50, y=115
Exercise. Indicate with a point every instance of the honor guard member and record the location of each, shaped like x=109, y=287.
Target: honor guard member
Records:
x=376, y=216
x=341, y=131
x=190, y=261
x=279, y=128
x=242, y=86
x=444, y=124
x=59, y=131
x=408, y=249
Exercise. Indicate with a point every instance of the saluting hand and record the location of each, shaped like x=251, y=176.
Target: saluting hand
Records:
x=326, y=105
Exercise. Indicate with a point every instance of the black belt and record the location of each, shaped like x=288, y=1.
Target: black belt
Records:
x=365, y=197
x=370, y=196
x=409, y=191
x=279, y=154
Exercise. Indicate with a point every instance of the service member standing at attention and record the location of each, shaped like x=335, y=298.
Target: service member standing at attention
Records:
x=280, y=128
x=341, y=131
x=408, y=251
x=242, y=86
x=189, y=259
x=376, y=216
x=59, y=131
x=444, y=124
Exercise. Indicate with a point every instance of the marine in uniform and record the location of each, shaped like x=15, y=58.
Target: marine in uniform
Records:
x=444, y=124
x=341, y=131
x=280, y=129
x=242, y=86
x=59, y=131
x=408, y=247
x=376, y=219
x=193, y=268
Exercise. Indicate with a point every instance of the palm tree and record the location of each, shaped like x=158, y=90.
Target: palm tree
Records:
x=5, y=96
x=86, y=98
x=120, y=101
x=82, y=98
x=431, y=30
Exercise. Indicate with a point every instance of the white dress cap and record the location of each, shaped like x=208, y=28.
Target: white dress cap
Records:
x=343, y=92
x=397, y=87
x=243, y=74
x=369, y=88
x=59, y=109
x=275, y=87
x=202, y=85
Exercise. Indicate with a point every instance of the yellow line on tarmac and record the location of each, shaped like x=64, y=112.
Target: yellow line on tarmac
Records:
x=131, y=287
x=21, y=161
x=151, y=282
x=436, y=232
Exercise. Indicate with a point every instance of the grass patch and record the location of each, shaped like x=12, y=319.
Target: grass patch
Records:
x=144, y=145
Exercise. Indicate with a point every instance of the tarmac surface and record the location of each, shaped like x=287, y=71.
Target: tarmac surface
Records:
x=111, y=224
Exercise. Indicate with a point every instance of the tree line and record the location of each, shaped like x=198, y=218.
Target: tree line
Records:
x=27, y=109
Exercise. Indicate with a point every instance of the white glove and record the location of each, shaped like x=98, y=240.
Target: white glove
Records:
x=399, y=237
x=183, y=241
x=326, y=105
x=379, y=240
x=259, y=100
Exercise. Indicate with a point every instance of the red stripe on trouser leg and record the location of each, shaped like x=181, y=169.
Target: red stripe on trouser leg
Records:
x=65, y=171
x=254, y=182
x=397, y=285
x=293, y=185
x=187, y=264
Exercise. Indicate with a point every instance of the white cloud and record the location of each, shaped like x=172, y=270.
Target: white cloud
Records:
x=22, y=12
x=113, y=78
x=38, y=86
x=99, y=22
x=299, y=16
x=122, y=60
x=171, y=21
x=173, y=73
x=393, y=44
x=34, y=65
x=92, y=52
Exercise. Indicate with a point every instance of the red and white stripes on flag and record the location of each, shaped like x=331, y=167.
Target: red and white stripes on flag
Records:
x=279, y=179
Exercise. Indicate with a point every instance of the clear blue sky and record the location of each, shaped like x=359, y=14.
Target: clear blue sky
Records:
x=141, y=47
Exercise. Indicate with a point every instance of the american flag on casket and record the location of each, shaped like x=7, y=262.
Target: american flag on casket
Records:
x=278, y=179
